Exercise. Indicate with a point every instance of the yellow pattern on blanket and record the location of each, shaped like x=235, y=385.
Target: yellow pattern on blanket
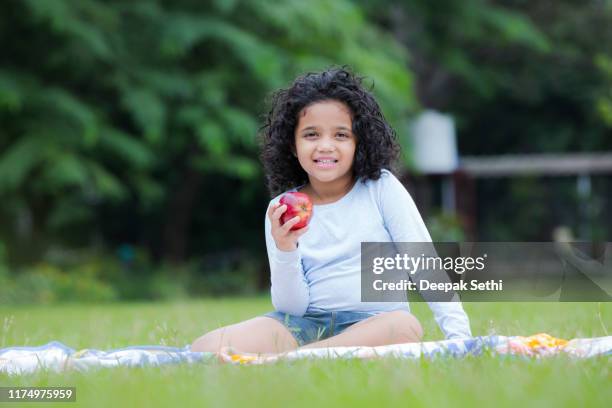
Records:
x=536, y=343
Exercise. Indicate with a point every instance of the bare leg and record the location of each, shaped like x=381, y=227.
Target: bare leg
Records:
x=258, y=335
x=385, y=328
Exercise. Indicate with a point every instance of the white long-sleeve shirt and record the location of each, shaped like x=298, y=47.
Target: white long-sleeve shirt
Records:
x=324, y=272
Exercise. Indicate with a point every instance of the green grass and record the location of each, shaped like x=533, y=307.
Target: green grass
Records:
x=487, y=380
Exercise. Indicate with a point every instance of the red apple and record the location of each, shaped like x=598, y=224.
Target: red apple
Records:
x=297, y=204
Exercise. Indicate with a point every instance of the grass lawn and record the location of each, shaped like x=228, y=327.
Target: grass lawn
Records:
x=486, y=380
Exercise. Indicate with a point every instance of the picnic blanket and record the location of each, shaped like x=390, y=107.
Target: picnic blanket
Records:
x=56, y=356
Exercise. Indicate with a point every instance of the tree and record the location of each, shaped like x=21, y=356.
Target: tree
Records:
x=122, y=121
x=519, y=77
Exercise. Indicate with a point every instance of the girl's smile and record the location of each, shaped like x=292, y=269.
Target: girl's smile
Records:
x=326, y=162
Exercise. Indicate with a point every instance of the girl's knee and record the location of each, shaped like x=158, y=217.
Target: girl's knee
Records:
x=408, y=327
x=211, y=341
x=260, y=334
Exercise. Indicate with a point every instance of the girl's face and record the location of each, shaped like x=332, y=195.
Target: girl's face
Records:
x=324, y=141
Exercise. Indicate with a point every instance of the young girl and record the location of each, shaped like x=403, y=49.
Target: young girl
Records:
x=327, y=137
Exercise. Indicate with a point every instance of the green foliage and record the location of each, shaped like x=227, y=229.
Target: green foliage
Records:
x=47, y=284
x=90, y=276
x=518, y=77
x=114, y=104
x=604, y=103
x=444, y=227
x=449, y=39
x=136, y=121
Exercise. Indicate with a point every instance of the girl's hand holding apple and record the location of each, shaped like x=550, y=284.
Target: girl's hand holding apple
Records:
x=284, y=230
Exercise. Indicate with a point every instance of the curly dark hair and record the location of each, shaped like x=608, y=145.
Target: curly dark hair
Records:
x=377, y=145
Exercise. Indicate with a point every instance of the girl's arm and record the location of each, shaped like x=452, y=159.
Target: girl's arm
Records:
x=289, y=288
x=404, y=223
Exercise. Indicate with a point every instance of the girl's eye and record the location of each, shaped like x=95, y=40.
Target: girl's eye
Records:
x=310, y=134
x=342, y=135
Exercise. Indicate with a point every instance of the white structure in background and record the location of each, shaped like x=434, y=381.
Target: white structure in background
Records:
x=582, y=165
x=435, y=151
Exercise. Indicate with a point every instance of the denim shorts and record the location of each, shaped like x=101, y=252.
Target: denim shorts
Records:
x=315, y=326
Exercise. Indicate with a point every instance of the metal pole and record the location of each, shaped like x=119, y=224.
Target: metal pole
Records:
x=448, y=195
x=583, y=187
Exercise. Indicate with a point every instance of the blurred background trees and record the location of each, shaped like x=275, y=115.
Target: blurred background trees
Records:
x=128, y=149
